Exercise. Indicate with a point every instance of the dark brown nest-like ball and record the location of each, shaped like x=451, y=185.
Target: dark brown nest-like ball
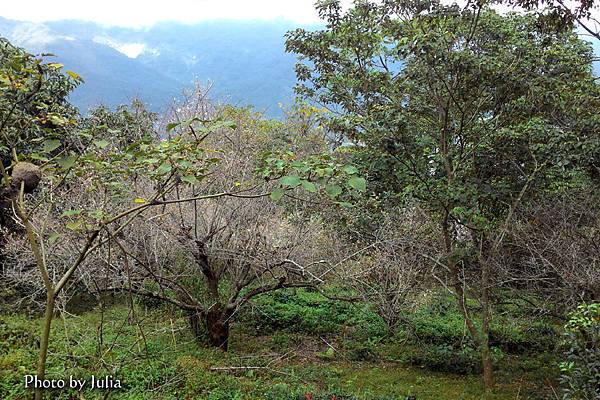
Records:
x=28, y=173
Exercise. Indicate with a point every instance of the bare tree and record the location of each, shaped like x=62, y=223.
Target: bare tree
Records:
x=392, y=272
x=212, y=257
x=554, y=249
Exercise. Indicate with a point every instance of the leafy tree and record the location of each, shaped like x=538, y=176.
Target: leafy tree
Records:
x=36, y=129
x=33, y=100
x=562, y=15
x=465, y=111
x=34, y=121
x=219, y=254
x=33, y=108
x=124, y=126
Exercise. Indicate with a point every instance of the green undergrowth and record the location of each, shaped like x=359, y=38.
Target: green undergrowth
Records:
x=286, y=345
x=433, y=336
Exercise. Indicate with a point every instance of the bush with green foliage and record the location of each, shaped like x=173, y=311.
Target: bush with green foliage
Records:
x=432, y=336
x=307, y=311
x=435, y=337
x=581, y=369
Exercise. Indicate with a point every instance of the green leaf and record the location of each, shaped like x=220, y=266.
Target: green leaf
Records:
x=345, y=204
x=164, y=168
x=191, y=179
x=75, y=225
x=97, y=214
x=290, y=180
x=53, y=237
x=102, y=144
x=37, y=156
x=224, y=124
x=350, y=169
x=67, y=162
x=139, y=200
x=172, y=126
x=358, y=183
x=59, y=120
x=277, y=194
x=309, y=186
x=298, y=164
x=333, y=190
x=70, y=213
x=184, y=164
x=51, y=145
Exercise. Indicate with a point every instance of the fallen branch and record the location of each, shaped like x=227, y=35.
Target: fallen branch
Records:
x=236, y=368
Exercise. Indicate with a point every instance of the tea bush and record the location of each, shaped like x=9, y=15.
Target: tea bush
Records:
x=581, y=369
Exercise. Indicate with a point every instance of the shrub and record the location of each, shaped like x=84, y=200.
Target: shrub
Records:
x=581, y=370
x=363, y=350
x=446, y=358
x=306, y=311
x=516, y=336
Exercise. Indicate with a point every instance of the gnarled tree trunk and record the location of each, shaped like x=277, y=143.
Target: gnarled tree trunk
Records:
x=214, y=323
x=217, y=325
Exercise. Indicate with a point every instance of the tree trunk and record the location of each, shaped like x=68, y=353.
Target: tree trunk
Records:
x=481, y=339
x=488, y=373
x=217, y=325
x=44, y=340
x=486, y=360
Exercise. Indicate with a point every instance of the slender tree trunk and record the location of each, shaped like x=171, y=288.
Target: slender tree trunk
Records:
x=44, y=339
x=481, y=339
x=486, y=359
x=457, y=286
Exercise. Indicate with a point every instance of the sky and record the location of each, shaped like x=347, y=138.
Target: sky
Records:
x=145, y=13
x=141, y=13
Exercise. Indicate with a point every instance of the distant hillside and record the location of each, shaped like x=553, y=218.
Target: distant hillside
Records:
x=112, y=78
x=245, y=60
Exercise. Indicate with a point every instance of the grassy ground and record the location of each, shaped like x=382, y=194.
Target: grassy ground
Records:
x=153, y=355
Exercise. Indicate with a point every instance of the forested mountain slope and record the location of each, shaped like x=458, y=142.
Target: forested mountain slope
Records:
x=244, y=60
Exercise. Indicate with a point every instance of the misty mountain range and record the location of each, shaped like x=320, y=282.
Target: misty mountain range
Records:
x=244, y=60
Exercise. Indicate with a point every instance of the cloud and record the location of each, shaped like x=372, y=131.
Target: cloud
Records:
x=145, y=13
x=131, y=50
x=34, y=36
